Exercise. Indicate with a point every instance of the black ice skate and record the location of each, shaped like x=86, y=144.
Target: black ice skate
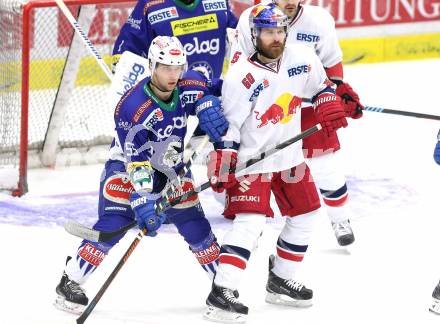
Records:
x=343, y=232
x=435, y=304
x=224, y=307
x=286, y=292
x=71, y=297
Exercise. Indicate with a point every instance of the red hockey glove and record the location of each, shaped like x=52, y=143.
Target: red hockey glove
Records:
x=350, y=101
x=221, y=168
x=329, y=113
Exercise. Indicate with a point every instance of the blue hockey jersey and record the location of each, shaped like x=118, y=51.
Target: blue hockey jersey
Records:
x=149, y=129
x=200, y=26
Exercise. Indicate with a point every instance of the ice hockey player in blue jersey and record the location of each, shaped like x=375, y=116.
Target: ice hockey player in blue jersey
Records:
x=146, y=156
x=437, y=149
x=200, y=25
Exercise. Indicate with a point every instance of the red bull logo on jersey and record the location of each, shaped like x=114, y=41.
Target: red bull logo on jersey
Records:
x=281, y=111
x=257, y=90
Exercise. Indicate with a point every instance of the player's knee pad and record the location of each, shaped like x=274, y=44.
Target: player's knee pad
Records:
x=298, y=230
x=88, y=257
x=335, y=198
x=239, y=242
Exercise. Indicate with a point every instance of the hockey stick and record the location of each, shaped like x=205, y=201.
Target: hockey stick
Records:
x=134, y=244
x=79, y=230
x=90, y=234
x=401, y=112
x=100, y=293
x=84, y=38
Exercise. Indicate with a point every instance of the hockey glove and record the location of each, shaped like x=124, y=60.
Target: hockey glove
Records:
x=144, y=210
x=211, y=118
x=329, y=112
x=350, y=100
x=437, y=149
x=221, y=168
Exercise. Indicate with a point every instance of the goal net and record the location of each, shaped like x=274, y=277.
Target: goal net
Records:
x=53, y=107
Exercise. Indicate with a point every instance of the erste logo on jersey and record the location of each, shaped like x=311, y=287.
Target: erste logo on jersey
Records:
x=194, y=24
x=155, y=116
x=300, y=69
x=214, y=5
x=281, y=111
x=309, y=38
x=257, y=90
x=187, y=97
x=157, y=16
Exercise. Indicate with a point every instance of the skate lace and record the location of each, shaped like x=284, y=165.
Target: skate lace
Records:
x=342, y=228
x=229, y=295
x=75, y=288
x=294, y=284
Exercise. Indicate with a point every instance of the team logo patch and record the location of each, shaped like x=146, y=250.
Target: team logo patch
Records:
x=214, y=5
x=117, y=188
x=91, y=254
x=194, y=24
x=186, y=186
x=281, y=111
x=164, y=14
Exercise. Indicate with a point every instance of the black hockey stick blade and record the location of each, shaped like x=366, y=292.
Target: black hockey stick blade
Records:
x=93, y=235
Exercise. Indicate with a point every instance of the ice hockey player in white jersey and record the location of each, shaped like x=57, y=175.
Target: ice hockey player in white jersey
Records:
x=315, y=27
x=262, y=97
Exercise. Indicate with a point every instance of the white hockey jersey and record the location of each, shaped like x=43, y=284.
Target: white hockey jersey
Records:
x=313, y=26
x=262, y=105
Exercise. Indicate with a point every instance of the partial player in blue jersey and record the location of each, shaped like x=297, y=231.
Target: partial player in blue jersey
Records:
x=435, y=304
x=200, y=25
x=146, y=157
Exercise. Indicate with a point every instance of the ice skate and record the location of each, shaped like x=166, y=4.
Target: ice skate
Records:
x=224, y=307
x=70, y=296
x=286, y=292
x=435, y=304
x=343, y=232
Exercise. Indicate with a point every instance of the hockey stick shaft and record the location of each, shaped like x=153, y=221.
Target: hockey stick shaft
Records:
x=100, y=293
x=401, y=113
x=90, y=234
x=84, y=38
x=241, y=167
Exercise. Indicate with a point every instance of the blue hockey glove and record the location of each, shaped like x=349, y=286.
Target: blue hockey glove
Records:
x=146, y=217
x=211, y=118
x=437, y=149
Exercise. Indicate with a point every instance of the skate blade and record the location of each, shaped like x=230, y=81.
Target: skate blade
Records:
x=62, y=304
x=435, y=306
x=215, y=314
x=279, y=299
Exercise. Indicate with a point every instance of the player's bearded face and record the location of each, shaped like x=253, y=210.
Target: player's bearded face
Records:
x=271, y=42
x=165, y=77
x=290, y=7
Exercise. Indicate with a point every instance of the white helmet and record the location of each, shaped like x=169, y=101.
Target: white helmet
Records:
x=166, y=50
